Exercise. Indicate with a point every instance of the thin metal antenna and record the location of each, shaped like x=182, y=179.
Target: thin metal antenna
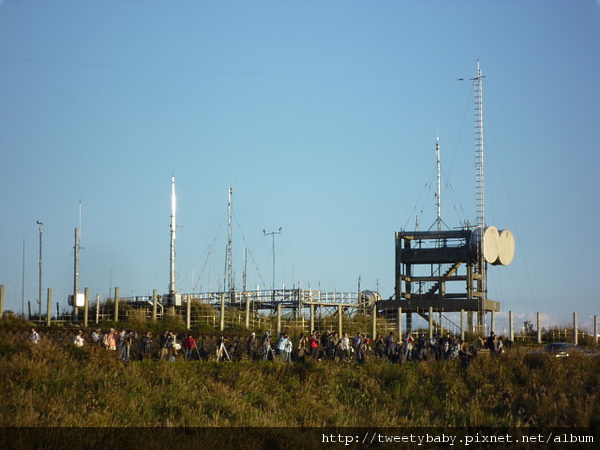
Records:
x=230, y=283
x=272, y=234
x=76, y=271
x=438, y=194
x=79, y=228
x=76, y=248
x=23, y=282
x=41, y=264
x=245, y=276
x=173, y=236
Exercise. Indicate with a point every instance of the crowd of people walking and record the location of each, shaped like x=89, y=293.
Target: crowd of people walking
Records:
x=316, y=346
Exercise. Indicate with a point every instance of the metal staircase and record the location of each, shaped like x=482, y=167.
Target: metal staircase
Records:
x=451, y=271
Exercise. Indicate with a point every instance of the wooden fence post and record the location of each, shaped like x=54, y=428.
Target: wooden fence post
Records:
x=399, y=325
x=49, y=308
x=1, y=301
x=86, y=306
x=97, y=308
x=431, y=323
x=279, y=310
x=247, y=310
x=374, y=321
x=188, y=313
x=116, y=304
x=154, y=304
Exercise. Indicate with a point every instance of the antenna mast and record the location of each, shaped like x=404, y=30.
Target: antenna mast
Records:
x=173, y=229
x=479, y=178
x=41, y=263
x=245, y=278
x=76, y=249
x=438, y=194
x=230, y=285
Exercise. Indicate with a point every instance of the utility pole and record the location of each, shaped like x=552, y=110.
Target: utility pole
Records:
x=272, y=234
x=41, y=229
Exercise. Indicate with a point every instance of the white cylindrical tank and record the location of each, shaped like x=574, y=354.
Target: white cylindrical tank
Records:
x=369, y=298
x=506, y=248
x=486, y=242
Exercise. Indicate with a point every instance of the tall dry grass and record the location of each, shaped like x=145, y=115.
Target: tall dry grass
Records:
x=56, y=384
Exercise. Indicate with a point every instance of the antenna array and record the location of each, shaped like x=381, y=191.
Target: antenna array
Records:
x=479, y=174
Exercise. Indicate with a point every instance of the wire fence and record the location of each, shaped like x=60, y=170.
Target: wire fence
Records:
x=300, y=311
x=203, y=317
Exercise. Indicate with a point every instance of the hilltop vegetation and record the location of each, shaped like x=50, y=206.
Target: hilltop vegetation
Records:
x=56, y=384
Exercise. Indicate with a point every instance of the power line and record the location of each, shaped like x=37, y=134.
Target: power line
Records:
x=222, y=72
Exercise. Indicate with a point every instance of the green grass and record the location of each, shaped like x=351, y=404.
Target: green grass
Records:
x=56, y=384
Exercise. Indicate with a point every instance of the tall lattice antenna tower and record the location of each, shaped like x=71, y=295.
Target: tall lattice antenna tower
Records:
x=479, y=178
x=230, y=283
x=479, y=173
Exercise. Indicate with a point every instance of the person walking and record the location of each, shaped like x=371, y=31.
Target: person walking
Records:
x=34, y=337
x=408, y=346
x=145, y=346
x=302, y=348
x=251, y=346
x=126, y=346
x=345, y=348
x=390, y=346
x=359, y=343
x=287, y=348
x=189, y=347
x=313, y=343
x=266, y=346
x=78, y=339
x=111, y=339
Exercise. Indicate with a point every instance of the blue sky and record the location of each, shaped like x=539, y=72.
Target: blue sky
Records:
x=322, y=116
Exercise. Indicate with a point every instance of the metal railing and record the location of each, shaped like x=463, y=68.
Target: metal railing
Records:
x=300, y=310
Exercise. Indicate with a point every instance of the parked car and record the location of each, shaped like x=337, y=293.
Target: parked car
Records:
x=564, y=349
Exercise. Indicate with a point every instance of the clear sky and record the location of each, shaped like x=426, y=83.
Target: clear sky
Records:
x=321, y=115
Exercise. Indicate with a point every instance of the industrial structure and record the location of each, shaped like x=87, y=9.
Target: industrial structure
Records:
x=446, y=270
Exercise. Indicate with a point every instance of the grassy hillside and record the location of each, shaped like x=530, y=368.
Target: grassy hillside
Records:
x=57, y=384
